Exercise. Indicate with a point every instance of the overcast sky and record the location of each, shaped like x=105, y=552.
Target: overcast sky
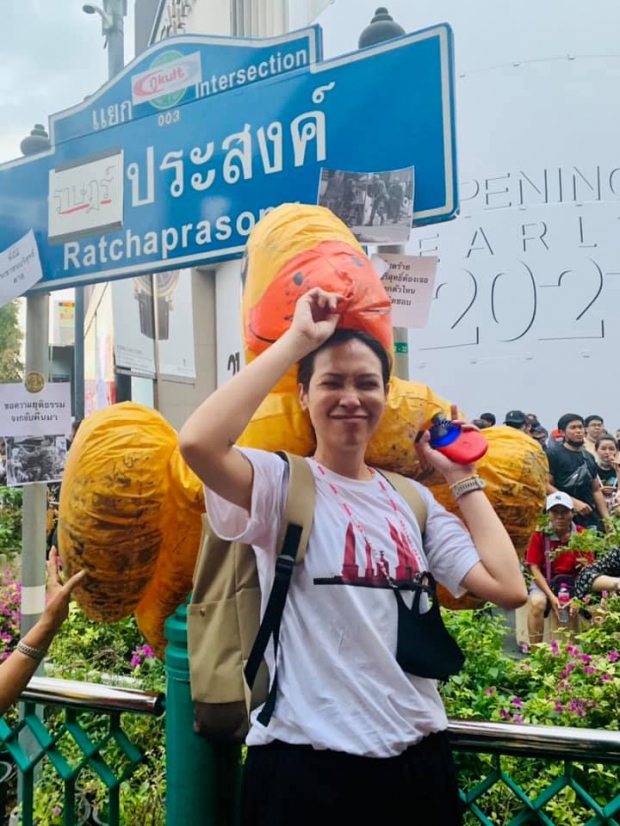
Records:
x=51, y=57
x=487, y=32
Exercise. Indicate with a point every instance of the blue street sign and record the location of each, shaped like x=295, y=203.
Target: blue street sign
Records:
x=173, y=162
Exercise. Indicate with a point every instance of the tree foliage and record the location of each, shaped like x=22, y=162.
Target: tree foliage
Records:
x=11, y=367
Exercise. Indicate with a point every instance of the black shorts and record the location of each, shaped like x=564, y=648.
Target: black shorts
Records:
x=286, y=785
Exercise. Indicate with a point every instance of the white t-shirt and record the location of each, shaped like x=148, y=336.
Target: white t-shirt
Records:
x=339, y=684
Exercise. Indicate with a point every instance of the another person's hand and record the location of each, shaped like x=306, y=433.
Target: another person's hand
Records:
x=58, y=594
x=582, y=508
x=451, y=471
x=316, y=317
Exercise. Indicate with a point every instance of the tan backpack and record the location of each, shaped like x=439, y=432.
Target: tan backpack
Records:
x=225, y=636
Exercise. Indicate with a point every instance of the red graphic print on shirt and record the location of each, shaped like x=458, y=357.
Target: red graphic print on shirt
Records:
x=376, y=571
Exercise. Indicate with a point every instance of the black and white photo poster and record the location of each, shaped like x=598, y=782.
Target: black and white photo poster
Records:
x=32, y=459
x=376, y=206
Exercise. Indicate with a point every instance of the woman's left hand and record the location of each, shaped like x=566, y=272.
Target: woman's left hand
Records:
x=451, y=471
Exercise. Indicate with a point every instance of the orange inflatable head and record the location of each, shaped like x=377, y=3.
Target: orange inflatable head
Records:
x=291, y=250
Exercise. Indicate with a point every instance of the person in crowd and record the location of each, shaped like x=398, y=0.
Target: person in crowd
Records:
x=546, y=564
x=2, y=462
x=607, y=463
x=618, y=438
x=601, y=575
x=555, y=438
x=75, y=426
x=481, y=424
x=573, y=470
x=516, y=419
x=593, y=429
x=531, y=422
x=540, y=435
x=489, y=418
x=18, y=668
x=347, y=716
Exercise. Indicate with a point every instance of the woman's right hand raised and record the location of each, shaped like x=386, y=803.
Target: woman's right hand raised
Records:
x=316, y=318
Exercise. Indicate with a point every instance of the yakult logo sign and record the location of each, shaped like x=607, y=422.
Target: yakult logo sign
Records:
x=164, y=84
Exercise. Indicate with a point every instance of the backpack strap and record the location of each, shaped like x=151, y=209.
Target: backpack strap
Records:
x=410, y=494
x=292, y=542
x=299, y=508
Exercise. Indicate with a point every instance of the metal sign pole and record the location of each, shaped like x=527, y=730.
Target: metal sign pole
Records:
x=35, y=495
x=401, y=334
x=34, y=508
x=34, y=505
x=112, y=28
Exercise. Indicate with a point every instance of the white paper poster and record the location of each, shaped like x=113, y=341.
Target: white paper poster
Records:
x=86, y=197
x=46, y=413
x=20, y=268
x=410, y=282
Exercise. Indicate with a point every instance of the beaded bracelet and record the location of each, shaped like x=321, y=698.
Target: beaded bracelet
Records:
x=34, y=653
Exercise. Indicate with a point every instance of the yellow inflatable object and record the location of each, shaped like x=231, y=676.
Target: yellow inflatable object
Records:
x=130, y=508
x=124, y=506
x=293, y=249
x=515, y=470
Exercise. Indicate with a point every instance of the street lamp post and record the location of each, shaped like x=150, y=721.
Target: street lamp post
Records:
x=112, y=15
x=382, y=27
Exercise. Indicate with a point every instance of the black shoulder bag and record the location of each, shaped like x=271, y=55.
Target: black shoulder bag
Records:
x=425, y=647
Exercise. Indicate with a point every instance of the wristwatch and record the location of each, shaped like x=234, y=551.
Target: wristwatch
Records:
x=468, y=485
x=165, y=283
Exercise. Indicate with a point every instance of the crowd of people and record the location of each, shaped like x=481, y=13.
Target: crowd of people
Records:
x=582, y=494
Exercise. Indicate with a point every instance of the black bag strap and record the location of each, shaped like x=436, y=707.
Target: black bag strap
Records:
x=295, y=537
x=270, y=625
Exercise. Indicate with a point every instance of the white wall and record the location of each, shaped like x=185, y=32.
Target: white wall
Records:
x=210, y=17
x=529, y=278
